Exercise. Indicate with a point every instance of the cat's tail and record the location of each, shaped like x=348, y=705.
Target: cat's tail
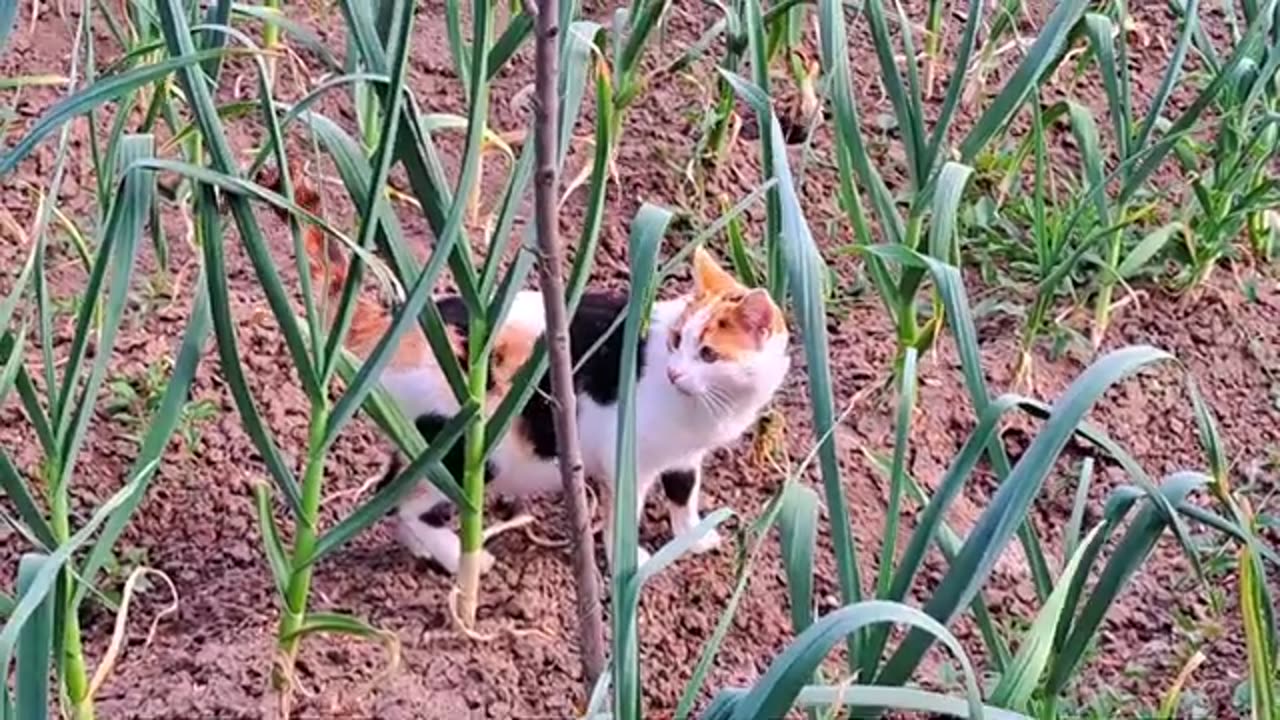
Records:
x=328, y=265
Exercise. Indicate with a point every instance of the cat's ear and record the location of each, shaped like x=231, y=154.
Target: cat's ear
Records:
x=757, y=314
x=708, y=277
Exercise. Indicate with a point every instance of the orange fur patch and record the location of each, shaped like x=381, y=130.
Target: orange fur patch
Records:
x=370, y=322
x=740, y=319
x=510, y=351
x=709, y=278
x=740, y=324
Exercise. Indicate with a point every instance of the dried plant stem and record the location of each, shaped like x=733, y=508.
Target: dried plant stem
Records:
x=119, y=632
x=551, y=282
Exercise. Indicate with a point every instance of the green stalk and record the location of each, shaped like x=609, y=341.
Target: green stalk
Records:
x=304, y=541
x=897, y=473
x=1047, y=246
x=1030, y=331
x=470, y=565
x=1259, y=236
x=908, y=327
x=907, y=315
x=75, y=675
x=897, y=485
x=1102, y=309
x=933, y=46
x=271, y=40
x=717, y=139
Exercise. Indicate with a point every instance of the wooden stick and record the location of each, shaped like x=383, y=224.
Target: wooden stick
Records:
x=551, y=282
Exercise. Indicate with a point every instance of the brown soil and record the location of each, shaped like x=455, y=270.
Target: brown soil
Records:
x=211, y=659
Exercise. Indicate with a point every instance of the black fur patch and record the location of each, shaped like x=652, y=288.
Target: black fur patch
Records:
x=455, y=461
x=678, y=484
x=454, y=313
x=597, y=377
x=438, y=516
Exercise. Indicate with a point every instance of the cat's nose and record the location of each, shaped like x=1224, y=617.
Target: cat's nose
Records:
x=677, y=380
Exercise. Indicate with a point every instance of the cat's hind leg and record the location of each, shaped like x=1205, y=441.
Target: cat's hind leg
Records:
x=681, y=486
x=425, y=516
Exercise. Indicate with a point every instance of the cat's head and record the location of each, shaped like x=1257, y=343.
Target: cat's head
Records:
x=731, y=340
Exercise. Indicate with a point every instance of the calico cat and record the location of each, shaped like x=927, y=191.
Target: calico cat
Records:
x=709, y=363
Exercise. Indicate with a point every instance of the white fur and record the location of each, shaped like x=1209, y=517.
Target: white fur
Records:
x=676, y=426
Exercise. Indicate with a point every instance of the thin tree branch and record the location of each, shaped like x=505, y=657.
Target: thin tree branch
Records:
x=551, y=282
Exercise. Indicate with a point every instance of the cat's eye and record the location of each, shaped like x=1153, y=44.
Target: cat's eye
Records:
x=674, y=341
x=708, y=354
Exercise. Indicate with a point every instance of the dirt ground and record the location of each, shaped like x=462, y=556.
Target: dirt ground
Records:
x=210, y=659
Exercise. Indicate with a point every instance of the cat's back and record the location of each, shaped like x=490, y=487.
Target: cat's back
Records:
x=526, y=314
x=597, y=336
x=595, y=340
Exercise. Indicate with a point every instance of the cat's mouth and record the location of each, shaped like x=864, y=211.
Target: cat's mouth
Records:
x=680, y=388
x=677, y=381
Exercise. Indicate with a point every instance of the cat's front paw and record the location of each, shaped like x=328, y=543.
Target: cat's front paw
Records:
x=487, y=561
x=709, y=541
x=484, y=559
x=642, y=555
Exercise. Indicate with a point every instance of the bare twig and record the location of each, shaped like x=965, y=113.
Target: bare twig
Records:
x=546, y=542
x=515, y=523
x=551, y=282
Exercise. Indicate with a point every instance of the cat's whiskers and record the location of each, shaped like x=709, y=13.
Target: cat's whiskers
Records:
x=717, y=401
